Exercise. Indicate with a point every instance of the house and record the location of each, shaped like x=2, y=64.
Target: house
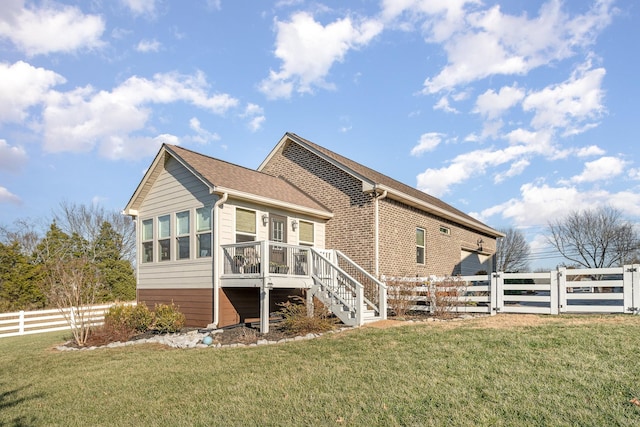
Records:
x=228, y=244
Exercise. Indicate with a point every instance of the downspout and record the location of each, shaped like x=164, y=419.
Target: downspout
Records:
x=377, y=229
x=216, y=263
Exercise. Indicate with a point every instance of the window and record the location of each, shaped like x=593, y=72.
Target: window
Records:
x=445, y=230
x=306, y=233
x=147, y=240
x=203, y=232
x=420, y=246
x=164, y=240
x=182, y=234
x=245, y=225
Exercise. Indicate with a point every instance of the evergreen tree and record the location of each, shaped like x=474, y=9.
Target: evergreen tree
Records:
x=117, y=274
x=20, y=281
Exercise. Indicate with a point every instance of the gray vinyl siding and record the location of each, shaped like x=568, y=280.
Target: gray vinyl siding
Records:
x=175, y=190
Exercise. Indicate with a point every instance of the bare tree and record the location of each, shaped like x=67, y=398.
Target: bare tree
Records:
x=86, y=222
x=512, y=251
x=25, y=232
x=595, y=238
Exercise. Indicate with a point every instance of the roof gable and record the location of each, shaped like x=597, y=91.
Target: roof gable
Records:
x=224, y=177
x=376, y=181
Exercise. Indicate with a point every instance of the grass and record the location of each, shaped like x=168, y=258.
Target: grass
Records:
x=501, y=371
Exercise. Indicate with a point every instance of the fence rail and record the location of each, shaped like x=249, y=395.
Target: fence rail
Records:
x=36, y=322
x=606, y=290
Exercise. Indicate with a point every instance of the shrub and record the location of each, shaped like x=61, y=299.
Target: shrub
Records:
x=117, y=326
x=168, y=318
x=401, y=296
x=298, y=320
x=445, y=296
x=141, y=318
x=137, y=318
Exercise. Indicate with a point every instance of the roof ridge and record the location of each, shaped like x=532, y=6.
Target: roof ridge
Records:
x=373, y=175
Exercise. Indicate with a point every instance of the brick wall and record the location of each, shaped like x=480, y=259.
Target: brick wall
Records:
x=351, y=230
x=398, y=223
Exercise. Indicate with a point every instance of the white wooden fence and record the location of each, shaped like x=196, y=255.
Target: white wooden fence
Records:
x=606, y=290
x=35, y=322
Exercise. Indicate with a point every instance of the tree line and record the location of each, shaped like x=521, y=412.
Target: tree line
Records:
x=85, y=254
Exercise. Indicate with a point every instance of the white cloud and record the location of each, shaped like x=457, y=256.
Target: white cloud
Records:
x=443, y=104
x=256, y=117
x=308, y=50
x=202, y=136
x=515, y=169
x=486, y=42
x=428, y=142
x=148, y=46
x=491, y=104
x=569, y=104
x=117, y=147
x=79, y=119
x=540, y=204
x=140, y=7
x=8, y=197
x=524, y=144
x=23, y=86
x=592, y=150
x=49, y=28
x=12, y=158
x=602, y=169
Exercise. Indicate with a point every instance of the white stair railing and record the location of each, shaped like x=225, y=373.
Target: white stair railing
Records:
x=334, y=287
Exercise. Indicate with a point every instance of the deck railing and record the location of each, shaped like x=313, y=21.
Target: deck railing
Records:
x=250, y=259
x=375, y=292
x=343, y=293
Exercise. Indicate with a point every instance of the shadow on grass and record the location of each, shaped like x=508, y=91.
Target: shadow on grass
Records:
x=10, y=399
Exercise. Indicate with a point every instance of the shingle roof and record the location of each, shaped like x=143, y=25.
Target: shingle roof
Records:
x=219, y=173
x=381, y=179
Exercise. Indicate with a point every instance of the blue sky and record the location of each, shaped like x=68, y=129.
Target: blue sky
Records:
x=516, y=112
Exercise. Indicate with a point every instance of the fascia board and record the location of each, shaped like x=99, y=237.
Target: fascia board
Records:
x=412, y=201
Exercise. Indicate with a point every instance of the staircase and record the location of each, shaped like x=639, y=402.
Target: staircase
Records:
x=351, y=293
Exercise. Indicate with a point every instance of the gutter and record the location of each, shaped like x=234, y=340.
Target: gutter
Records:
x=216, y=263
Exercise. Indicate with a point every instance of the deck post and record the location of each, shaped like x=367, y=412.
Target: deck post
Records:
x=264, y=309
x=264, y=289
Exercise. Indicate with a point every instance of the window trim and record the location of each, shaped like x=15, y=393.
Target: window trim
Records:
x=445, y=230
x=164, y=239
x=423, y=246
x=313, y=233
x=199, y=233
x=144, y=241
x=237, y=233
x=186, y=235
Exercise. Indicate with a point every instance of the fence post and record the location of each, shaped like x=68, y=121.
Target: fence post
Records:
x=21, y=322
x=553, y=292
x=562, y=289
x=635, y=288
x=497, y=292
x=432, y=297
x=627, y=289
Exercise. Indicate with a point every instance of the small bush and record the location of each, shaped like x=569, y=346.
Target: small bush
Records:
x=137, y=318
x=401, y=296
x=168, y=318
x=116, y=327
x=141, y=318
x=297, y=319
x=445, y=297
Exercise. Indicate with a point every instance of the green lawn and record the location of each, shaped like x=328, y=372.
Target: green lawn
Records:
x=469, y=373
